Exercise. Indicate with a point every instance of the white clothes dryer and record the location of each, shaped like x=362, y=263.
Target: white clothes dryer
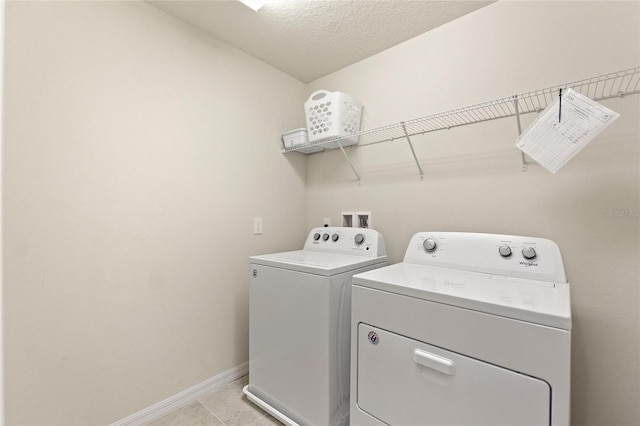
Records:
x=471, y=329
x=299, y=341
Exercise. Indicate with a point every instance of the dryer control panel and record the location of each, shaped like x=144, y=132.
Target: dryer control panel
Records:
x=354, y=241
x=504, y=255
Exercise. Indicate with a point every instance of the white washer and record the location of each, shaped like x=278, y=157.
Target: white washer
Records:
x=471, y=329
x=299, y=339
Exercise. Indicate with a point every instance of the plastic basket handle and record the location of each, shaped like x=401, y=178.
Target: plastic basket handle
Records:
x=319, y=94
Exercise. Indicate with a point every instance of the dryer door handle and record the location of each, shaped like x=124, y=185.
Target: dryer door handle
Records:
x=435, y=362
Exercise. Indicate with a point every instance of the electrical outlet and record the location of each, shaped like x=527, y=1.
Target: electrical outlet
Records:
x=257, y=226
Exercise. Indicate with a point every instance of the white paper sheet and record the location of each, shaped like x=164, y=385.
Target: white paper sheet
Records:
x=553, y=140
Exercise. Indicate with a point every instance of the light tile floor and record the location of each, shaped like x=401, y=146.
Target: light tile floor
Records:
x=227, y=406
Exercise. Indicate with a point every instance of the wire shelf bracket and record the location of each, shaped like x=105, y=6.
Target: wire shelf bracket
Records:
x=617, y=84
x=358, y=178
x=524, y=166
x=404, y=128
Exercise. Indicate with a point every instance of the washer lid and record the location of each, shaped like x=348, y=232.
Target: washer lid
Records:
x=539, y=302
x=315, y=262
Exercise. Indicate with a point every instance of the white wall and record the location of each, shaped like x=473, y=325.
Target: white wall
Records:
x=137, y=150
x=2, y=7
x=473, y=180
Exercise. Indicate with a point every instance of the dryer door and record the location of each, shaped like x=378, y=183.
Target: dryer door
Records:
x=406, y=382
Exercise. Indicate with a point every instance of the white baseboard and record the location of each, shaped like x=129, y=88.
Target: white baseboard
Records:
x=185, y=397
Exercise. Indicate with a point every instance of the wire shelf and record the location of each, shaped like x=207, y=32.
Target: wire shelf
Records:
x=617, y=84
x=607, y=86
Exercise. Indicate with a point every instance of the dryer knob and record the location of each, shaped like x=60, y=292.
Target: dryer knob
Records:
x=430, y=244
x=316, y=236
x=505, y=251
x=529, y=252
x=359, y=239
x=325, y=237
x=335, y=237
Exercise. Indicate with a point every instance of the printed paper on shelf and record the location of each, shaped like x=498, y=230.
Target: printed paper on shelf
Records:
x=553, y=138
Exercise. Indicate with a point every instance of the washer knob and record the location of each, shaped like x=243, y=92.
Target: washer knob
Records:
x=529, y=252
x=316, y=236
x=335, y=237
x=325, y=237
x=429, y=244
x=505, y=251
x=359, y=239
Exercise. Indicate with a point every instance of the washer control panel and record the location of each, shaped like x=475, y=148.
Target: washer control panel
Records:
x=357, y=241
x=504, y=255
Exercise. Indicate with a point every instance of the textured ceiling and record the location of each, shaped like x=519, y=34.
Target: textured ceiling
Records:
x=309, y=39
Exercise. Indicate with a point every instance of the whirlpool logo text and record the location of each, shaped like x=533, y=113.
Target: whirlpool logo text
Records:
x=527, y=264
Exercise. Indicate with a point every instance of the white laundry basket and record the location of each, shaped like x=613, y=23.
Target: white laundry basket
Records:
x=330, y=115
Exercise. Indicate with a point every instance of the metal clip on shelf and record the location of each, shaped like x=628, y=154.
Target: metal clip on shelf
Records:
x=607, y=86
